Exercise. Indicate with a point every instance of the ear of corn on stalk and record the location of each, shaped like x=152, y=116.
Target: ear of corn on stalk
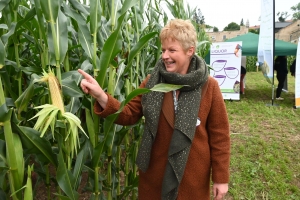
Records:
x=48, y=114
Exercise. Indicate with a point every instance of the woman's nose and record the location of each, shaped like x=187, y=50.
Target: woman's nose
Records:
x=165, y=55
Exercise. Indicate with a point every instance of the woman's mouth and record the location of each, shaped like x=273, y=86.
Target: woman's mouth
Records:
x=169, y=62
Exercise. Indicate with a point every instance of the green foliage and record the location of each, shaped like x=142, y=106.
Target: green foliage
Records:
x=251, y=63
x=255, y=31
x=296, y=10
x=198, y=17
x=242, y=22
x=282, y=16
x=232, y=27
x=215, y=29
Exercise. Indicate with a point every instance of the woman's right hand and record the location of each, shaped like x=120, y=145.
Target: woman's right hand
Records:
x=90, y=86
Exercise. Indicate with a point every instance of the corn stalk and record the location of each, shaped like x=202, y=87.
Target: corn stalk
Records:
x=14, y=151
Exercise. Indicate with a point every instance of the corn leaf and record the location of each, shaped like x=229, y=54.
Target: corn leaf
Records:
x=79, y=7
x=140, y=45
x=40, y=18
x=2, y=54
x=9, y=33
x=70, y=88
x=24, y=98
x=90, y=127
x=61, y=35
x=3, y=162
x=3, y=3
x=50, y=9
x=80, y=160
x=31, y=13
x=4, y=114
x=65, y=178
x=127, y=4
x=164, y=87
x=37, y=145
x=112, y=46
x=95, y=16
x=84, y=34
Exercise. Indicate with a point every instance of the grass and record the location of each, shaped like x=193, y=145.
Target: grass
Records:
x=265, y=142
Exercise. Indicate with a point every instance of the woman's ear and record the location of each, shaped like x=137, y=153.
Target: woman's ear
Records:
x=191, y=51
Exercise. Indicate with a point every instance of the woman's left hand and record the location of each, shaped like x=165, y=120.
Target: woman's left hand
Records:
x=220, y=190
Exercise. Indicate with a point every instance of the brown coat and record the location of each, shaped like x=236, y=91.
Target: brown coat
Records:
x=210, y=150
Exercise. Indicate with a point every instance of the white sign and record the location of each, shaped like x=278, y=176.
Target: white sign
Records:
x=225, y=60
x=265, y=44
x=297, y=77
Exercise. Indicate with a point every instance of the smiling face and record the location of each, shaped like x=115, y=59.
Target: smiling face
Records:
x=175, y=58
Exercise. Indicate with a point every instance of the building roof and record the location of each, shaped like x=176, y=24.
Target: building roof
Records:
x=278, y=25
x=282, y=24
x=254, y=27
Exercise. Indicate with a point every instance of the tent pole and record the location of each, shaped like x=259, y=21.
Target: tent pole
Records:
x=273, y=54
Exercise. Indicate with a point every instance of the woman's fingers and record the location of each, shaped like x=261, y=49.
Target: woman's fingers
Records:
x=84, y=86
x=89, y=85
x=88, y=77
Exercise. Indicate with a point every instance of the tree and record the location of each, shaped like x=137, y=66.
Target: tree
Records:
x=256, y=31
x=296, y=9
x=198, y=17
x=232, y=27
x=215, y=29
x=242, y=22
x=282, y=16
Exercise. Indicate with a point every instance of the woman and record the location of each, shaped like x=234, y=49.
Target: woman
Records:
x=183, y=141
x=282, y=71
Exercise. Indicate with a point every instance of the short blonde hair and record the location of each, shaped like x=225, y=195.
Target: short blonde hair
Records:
x=181, y=30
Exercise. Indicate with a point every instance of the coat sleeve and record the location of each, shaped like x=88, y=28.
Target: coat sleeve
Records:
x=130, y=114
x=219, y=136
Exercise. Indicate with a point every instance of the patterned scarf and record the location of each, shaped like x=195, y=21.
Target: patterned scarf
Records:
x=185, y=120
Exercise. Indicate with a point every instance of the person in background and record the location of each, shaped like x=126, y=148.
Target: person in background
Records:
x=293, y=68
x=186, y=141
x=243, y=74
x=281, y=73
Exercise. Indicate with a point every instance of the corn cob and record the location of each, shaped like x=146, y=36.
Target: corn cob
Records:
x=55, y=90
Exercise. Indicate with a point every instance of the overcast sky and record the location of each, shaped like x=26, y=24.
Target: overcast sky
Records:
x=220, y=13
